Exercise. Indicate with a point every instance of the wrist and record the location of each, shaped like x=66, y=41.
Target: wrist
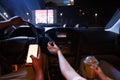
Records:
x=59, y=52
x=39, y=76
x=103, y=76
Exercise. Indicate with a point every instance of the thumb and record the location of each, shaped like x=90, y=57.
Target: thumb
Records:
x=32, y=56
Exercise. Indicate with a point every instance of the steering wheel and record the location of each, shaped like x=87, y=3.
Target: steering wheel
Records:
x=28, y=30
x=5, y=32
x=15, y=47
x=15, y=31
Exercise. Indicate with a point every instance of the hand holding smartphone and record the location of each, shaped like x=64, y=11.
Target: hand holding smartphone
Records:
x=32, y=50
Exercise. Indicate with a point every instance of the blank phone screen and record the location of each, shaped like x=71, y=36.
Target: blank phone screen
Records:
x=32, y=50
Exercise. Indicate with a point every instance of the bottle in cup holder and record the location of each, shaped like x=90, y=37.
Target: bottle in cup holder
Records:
x=88, y=62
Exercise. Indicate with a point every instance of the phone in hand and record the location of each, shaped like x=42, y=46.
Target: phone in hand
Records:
x=32, y=50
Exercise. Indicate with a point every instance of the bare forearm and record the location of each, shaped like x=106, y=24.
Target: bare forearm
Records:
x=104, y=77
x=39, y=76
x=64, y=65
x=66, y=69
x=68, y=72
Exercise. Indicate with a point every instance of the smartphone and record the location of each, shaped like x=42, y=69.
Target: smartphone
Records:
x=32, y=50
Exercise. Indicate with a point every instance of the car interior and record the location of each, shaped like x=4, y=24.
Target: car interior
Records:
x=75, y=42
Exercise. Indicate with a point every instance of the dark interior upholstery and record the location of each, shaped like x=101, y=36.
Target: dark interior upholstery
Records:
x=99, y=41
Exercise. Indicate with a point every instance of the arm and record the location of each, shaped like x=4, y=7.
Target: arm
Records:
x=100, y=73
x=68, y=72
x=66, y=69
x=12, y=21
x=37, y=64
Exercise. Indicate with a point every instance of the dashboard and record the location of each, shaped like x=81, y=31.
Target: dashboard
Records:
x=67, y=40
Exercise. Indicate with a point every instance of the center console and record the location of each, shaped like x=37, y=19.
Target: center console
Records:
x=67, y=42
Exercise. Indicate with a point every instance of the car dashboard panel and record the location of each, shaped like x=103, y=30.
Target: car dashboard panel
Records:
x=67, y=40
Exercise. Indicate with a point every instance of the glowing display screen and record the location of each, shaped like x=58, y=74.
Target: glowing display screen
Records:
x=44, y=16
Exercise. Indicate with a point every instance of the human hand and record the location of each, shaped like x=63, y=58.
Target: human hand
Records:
x=100, y=73
x=17, y=21
x=36, y=63
x=53, y=48
x=97, y=69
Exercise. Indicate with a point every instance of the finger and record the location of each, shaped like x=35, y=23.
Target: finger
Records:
x=48, y=44
x=31, y=56
x=54, y=44
x=48, y=47
x=34, y=60
x=39, y=53
x=93, y=67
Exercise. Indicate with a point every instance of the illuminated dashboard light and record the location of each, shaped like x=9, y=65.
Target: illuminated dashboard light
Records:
x=96, y=14
x=64, y=25
x=61, y=14
x=5, y=14
x=77, y=26
x=69, y=4
x=83, y=13
x=80, y=10
x=28, y=20
x=27, y=13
